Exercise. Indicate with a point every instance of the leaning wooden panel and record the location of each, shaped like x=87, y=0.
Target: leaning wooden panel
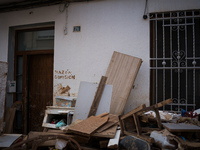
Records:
x=121, y=73
x=3, y=79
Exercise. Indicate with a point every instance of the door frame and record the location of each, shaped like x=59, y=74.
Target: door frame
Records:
x=25, y=55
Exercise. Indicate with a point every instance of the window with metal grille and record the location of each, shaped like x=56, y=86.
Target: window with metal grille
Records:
x=175, y=59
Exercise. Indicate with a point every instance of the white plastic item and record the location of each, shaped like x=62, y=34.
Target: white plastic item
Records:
x=161, y=140
x=60, y=144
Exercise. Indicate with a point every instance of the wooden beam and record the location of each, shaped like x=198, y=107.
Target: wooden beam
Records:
x=137, y=124
x=166, y=102
x=158, y=118
x=97, y=97
x=139, y=108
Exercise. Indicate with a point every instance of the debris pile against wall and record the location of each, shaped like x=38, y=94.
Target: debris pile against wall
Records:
x=93, y=128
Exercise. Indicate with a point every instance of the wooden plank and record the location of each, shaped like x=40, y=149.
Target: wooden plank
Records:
x=66, y=130
x=142, y=106
x=97, y=98
x=158, y=118
x=121, y=73
x=103, y=115
x=113, y=119
x=85, y=98
x=88, y=126
x=108, y=133
x=3, y=80
x=181, y=127
x=10, y=115
x=137, y=124
x=166, y=102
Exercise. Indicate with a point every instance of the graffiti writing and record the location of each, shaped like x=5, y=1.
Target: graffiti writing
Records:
x=64, y=74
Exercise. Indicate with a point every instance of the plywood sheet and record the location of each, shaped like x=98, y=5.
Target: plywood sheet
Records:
x=121, y=73
x=85, y=99
x=3, y=79
x=88, y=126
x=181, y=127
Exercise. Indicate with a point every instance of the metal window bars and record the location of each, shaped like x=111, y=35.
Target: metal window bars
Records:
x=175, y=59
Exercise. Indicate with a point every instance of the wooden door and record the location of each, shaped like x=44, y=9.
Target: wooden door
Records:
x=40, y=88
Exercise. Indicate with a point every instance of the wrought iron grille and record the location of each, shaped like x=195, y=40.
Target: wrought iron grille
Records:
x=175, y=59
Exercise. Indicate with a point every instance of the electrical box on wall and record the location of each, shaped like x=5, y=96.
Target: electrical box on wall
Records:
x=11, y=86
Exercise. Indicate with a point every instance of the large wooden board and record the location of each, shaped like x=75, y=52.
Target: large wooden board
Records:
x=3, y=79
x=121, y=73
x=88, y=126
x=181, y=127
x=85, y=99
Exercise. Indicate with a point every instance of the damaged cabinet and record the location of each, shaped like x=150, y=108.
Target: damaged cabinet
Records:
x=55, y=114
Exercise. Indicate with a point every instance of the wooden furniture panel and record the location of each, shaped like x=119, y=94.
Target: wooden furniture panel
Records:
x=121, y=73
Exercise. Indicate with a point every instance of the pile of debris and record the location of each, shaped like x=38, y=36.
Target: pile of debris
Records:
x=94, y=128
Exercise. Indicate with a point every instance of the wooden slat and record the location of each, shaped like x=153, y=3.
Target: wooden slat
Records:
x=166, y=102
x=108, y=133
x=113, y=119
x=66, y=130
x=142, y=106
x=88, y=126
x=97, y=97
x=158, y=118
x=121, y=73
x=137, y=124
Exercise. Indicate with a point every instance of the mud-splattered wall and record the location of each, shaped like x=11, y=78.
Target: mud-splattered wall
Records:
x=106, y=26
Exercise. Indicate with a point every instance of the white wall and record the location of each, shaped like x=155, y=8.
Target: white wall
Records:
x=106, y=26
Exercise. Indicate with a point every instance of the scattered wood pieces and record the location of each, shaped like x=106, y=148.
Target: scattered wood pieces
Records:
x=88, y=126
x=113, y=119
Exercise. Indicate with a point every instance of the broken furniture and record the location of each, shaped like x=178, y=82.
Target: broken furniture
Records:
x=59, y=113
x=134, y=116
